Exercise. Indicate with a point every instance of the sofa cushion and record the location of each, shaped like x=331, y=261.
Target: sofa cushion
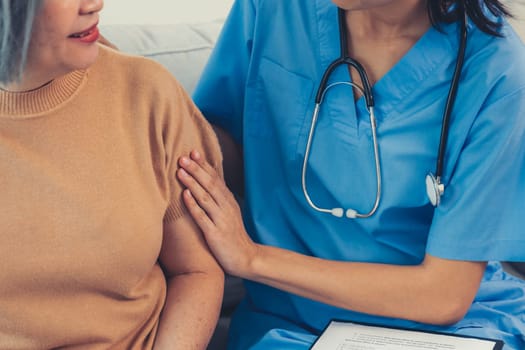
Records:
x=182, y=48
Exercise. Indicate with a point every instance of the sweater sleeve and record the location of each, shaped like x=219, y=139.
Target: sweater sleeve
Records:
x=186, y=130
x=174, y=124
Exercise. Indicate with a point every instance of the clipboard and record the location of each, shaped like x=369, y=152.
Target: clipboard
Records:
x=348, y=335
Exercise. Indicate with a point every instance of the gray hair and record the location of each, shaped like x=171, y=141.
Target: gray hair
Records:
x=16, y=22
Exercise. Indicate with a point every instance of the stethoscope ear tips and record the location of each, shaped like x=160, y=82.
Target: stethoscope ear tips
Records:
x=337, y=212
x=434, y=189
x=351, y=213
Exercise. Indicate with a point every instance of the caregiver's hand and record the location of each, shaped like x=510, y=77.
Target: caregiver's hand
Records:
x=216, y=211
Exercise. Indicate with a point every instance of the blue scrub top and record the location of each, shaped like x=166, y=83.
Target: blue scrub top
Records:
x=260, y=84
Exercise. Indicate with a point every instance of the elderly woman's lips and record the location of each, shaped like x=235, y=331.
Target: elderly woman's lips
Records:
x=88, y=36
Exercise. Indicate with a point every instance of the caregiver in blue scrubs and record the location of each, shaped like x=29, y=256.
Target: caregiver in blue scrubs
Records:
x=410, y=263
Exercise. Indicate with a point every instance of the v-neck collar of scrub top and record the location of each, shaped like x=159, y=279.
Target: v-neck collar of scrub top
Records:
x=433, y=51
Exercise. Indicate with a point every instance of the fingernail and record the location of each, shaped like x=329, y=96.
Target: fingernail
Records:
x=185, y=161
x=183, y=172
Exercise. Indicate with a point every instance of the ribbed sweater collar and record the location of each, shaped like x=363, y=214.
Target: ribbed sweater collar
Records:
x=46, y=98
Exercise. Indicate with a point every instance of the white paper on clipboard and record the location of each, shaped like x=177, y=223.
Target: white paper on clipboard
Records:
x=355, y=336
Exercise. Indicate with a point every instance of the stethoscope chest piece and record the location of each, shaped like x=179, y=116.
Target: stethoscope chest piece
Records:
x=435, y=189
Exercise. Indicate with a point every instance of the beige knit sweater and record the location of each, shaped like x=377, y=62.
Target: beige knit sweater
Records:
x=87, y=178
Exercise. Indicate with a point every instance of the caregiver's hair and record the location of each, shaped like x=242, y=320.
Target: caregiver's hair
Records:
x=16, y=22
x=482, y=12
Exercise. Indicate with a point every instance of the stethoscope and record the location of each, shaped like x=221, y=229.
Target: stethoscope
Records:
x=434, y=187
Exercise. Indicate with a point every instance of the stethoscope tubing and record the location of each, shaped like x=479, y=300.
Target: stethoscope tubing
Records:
x=345, y=59
x=435, y=188
x=366, y=90
x=451, y=98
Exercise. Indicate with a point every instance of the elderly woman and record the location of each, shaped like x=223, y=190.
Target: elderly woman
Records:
x=422, y=223
x=97, y=249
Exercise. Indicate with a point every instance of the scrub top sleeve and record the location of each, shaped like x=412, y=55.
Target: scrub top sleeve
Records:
x=482, y=213
x=220, y=91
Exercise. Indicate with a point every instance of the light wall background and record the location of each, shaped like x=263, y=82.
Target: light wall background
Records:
x=163, y=11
